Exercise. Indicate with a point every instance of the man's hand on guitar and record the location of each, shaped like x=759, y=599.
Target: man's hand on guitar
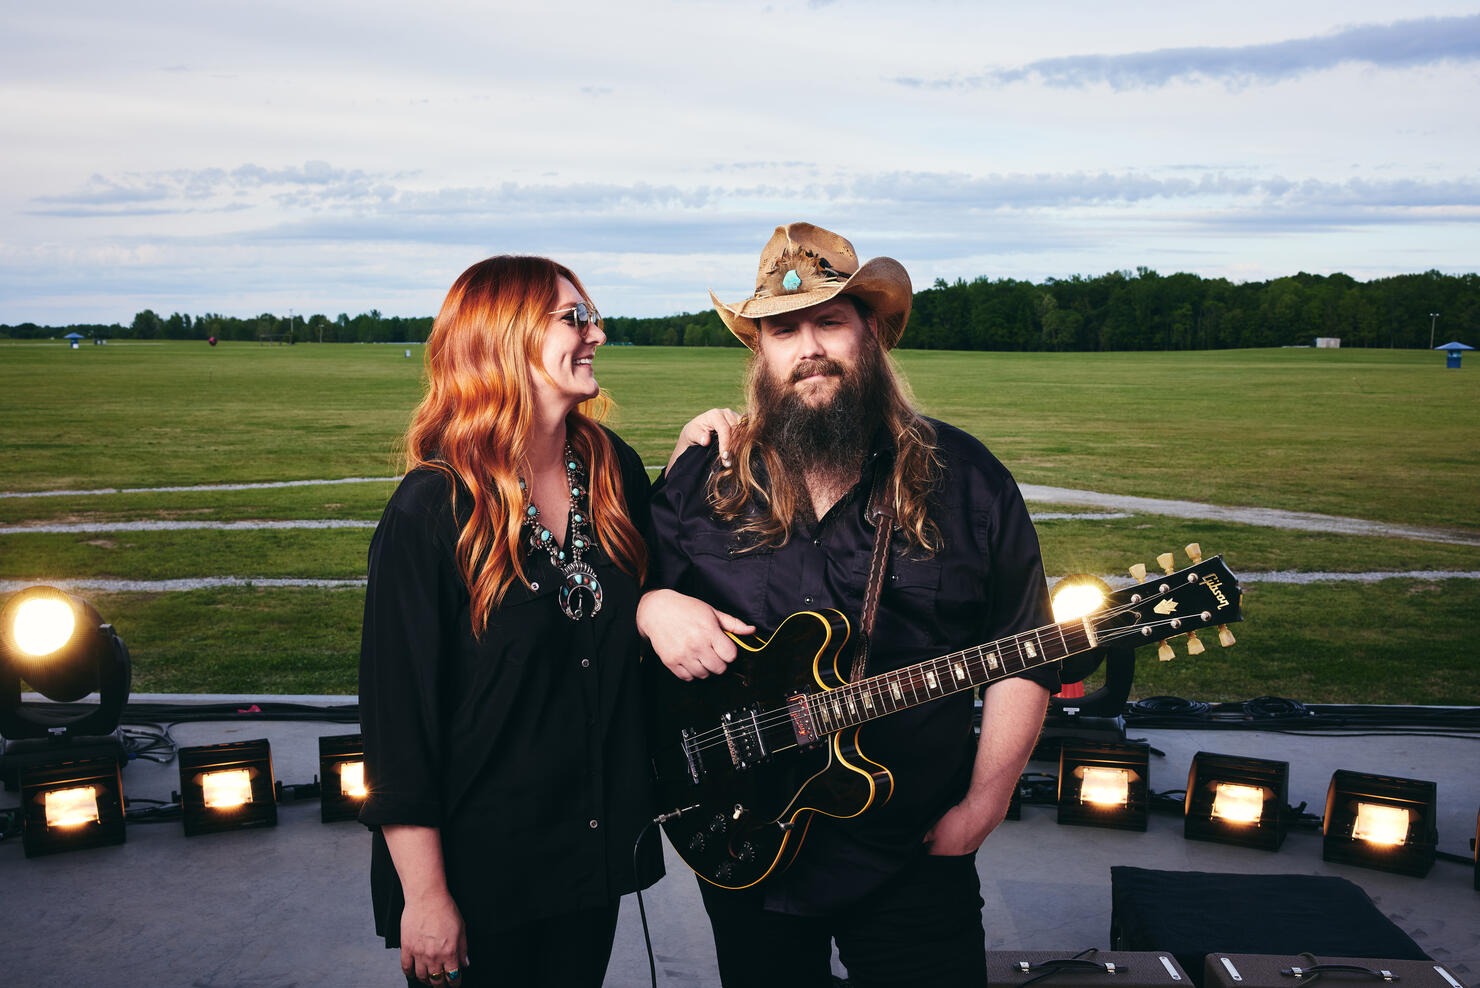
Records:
x=687, y=634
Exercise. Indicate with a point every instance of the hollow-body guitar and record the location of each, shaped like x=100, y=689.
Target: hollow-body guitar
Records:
x=744, y=759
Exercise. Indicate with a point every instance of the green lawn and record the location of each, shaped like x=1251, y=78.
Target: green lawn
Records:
x=1382, y=435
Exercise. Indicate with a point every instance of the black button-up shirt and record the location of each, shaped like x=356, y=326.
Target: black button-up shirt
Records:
x=986, y=583
x=526, y=747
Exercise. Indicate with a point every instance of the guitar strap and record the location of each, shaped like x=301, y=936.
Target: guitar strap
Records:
x=880, y=512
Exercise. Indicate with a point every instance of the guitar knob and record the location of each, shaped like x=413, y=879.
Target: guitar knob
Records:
x=1194, y=552
x=746, y=852
x=1165, y=562
x=1165, y=653
x=1194, y=644
x=1225, y=637
x=1138, y=572
x=723, y=872
x=719, y=824
x=697, y=843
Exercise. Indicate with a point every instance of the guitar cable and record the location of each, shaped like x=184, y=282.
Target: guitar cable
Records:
x=647, y=938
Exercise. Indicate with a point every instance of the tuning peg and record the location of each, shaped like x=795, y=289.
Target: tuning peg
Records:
x=1138, y=572
x=1165, y=562
x=1194, y=644
x=1165, y=653
x=1225, y=637
x=1194, y=553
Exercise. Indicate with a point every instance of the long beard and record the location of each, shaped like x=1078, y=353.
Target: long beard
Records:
x=829, y=439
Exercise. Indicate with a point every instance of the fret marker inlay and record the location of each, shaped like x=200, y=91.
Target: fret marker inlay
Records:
x=1030, y=649
x=991, y=660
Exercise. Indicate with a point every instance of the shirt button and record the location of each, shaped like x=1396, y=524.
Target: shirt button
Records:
x=817, y=541
x=534, y=586
x=593, y=824
x=585, y=663
x=806, y=600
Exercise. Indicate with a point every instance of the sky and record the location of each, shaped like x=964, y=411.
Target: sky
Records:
x=326, y=156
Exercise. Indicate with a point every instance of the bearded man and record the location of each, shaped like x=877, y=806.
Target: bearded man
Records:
x=782, y=523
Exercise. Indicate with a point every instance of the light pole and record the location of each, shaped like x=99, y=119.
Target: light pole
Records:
x=1433, y=318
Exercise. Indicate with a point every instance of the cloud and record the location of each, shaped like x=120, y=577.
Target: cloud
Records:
x=1403, y=44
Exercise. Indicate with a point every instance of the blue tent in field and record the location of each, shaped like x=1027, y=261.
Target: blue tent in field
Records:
x=73, y=338
x=1453, y=350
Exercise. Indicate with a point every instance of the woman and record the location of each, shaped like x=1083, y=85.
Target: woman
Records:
x=498, y=672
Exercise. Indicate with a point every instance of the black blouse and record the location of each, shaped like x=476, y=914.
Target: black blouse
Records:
x=525, y=747
x=985, y=584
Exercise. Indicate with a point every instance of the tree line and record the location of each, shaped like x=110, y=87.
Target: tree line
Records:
x=1121, y=310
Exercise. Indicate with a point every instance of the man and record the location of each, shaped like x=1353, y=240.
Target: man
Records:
x=780, y=525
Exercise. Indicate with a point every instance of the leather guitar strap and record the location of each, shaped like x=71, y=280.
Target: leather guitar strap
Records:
x=880, y=512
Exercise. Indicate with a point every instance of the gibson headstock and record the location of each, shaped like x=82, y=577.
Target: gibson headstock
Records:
x=1180, y=602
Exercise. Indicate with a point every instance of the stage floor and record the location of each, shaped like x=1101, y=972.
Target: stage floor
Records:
x=290, y=905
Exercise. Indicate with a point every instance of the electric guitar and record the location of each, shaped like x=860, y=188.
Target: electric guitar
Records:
x=745, y=758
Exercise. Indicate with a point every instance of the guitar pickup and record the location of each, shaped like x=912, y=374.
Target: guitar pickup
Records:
x=802, y=724
x=743, y=736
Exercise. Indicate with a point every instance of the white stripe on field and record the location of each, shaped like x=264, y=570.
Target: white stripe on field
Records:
x=201, y=487
x=87, y=528
x=216, y=582
x=171, y=586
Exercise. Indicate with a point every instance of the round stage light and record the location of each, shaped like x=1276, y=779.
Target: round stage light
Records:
x=1076, y=596
x=59, y=646
x=42, y=625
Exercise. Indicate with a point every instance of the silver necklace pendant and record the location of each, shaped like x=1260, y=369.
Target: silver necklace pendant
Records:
x=581, y=588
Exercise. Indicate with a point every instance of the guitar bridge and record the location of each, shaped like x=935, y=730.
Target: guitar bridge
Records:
x=743, y=736
x=692, y=757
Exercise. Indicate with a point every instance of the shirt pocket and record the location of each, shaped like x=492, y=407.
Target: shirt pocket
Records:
x=914, y=587
x=731, y=579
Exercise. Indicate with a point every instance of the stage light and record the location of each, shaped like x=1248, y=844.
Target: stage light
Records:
x=227, y=787
x=1232, y=800
x=1078, y=595
x=342, y=771
x=1103, y=785
x=59, y=646
x=1377, y=821
x=68, y=805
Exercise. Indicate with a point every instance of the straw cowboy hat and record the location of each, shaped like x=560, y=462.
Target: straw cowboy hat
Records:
x=805, y=265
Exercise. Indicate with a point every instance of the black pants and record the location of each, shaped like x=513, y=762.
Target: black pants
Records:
x=923, y=927
x=567, y=951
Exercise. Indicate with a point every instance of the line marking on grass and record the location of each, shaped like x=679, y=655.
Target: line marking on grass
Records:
x=102, y=585
x=202, y=487
x=189, y=583
x=88, y=528
x=1266, y=517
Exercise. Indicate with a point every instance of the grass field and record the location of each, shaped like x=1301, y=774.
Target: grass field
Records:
x=1381, y=435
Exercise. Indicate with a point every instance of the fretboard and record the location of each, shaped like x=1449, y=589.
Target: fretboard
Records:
x=889, y=692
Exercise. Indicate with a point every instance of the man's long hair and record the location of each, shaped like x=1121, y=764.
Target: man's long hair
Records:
x=474, y=422
x=757, y=495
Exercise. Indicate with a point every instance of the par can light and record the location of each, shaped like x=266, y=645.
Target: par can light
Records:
x=1232, y=800
x=227, y=787
x=342, y=771
x=1377, y=821
x=1104, y=785
x=68, y=805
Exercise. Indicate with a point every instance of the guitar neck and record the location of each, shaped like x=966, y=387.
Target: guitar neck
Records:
x=890, y=692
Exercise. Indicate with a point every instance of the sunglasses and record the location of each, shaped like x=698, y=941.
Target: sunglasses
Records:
x=580, y=315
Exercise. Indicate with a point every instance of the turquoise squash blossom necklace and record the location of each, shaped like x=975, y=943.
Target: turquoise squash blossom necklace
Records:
x=581, y=588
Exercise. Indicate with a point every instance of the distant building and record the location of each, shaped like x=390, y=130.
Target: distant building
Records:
x=1328, y=342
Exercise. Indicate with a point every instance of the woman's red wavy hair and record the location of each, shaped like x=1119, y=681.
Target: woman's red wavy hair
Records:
x=474, y=423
